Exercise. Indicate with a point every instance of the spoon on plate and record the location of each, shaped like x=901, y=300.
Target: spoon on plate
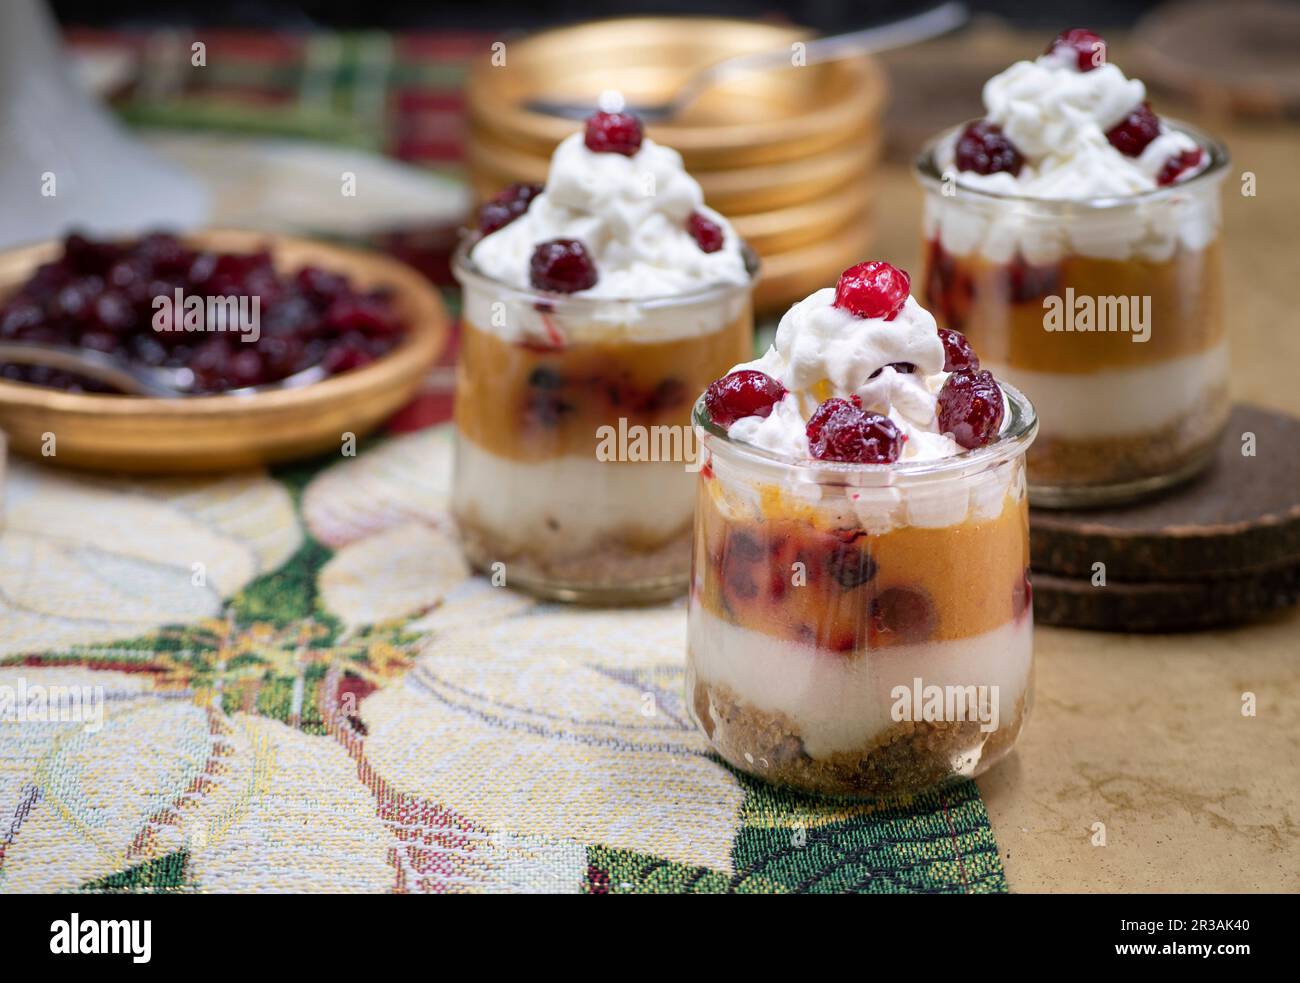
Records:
x=884, y=37
x=133, y=378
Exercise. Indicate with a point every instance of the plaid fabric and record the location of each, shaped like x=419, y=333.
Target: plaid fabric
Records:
x=336, y=703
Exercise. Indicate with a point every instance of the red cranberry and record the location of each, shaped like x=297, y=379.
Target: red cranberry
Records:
x=562, y=265
x=706, y=233
x=971, y=407
x=100, y=296
x=1131, y=135
x=985, y=149
x=841, y=431
x=1022, y=595
x=1089, y=49
x=1176, y=165
x=901, y=615
x=506, y=206
x=873, y=289
x=613, y=133
x=740, y=394
x=957, y=352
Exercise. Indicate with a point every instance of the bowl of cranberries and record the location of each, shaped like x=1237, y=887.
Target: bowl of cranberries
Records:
x=272, y=347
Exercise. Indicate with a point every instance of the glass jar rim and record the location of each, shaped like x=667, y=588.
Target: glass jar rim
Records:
x=1016, y=436
x=927, y=171
x=468, y=274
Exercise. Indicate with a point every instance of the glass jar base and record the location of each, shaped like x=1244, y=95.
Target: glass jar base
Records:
x=610, y=576
x=908, y=760
x=1056, y=496
x=632, y=594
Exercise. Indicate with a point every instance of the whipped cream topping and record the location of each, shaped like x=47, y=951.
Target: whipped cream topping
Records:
x=630, y=213
x=821, y=351
x=1057, y=117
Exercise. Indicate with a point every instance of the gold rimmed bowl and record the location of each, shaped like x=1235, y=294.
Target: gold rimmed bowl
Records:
x=225, y=432
x=759, y=118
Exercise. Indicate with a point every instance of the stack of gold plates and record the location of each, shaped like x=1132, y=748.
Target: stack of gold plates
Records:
x=787, y=155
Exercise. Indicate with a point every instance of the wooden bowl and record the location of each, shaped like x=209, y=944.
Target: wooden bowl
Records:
x=759, y=118
x=220, y=433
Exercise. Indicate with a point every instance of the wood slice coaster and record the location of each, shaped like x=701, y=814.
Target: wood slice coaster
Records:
x=1221, y=549
x=1171, y=606
x=1237, y=57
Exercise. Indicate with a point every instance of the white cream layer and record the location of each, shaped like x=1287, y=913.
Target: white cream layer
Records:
x=840, y=703
x=1120, y=402
x=569, y=504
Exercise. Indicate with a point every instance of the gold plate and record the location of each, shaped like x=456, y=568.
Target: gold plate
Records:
x=734, y=193
x=758, y=118
x=219, y=433
x=791, y=276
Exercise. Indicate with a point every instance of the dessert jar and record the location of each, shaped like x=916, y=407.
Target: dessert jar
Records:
x=574, y=451
x=859, y=629
x=1107, y=312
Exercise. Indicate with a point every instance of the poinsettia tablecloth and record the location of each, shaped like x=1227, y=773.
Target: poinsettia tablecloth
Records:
x=294, y=684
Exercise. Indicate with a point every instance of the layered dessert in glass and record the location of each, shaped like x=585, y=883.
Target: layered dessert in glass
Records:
x=596, y=309
x=1073, y=236
x=860, y=618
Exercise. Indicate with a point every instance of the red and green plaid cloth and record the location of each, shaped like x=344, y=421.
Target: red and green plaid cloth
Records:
x=337, y=703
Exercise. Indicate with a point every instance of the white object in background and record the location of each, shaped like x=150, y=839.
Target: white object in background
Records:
x=53, y=136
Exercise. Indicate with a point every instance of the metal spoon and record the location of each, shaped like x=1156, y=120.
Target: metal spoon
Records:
x=133, y=378
x=897, y=34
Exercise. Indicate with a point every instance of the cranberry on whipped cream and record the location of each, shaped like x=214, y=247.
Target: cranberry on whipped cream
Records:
x=1069, y=124
x=639, y=218
x=861, y=373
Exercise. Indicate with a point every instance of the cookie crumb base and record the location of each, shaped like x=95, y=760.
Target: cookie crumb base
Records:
x=907, y=758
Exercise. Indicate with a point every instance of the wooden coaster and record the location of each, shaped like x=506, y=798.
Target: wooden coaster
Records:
x=1222, y=549
x=1239, y=57
x=1173, y=606
x=1240, y=516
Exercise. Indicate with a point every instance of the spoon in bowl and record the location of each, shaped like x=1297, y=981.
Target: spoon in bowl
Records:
x=884, y=37
x=132, y=378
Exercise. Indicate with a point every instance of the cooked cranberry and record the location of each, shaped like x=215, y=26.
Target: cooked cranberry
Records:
x=1088, y=48
x=841, y=431
x=744, y=393
x=1131, y=135
x=100, y=296
x=1031, y=281
x=1022, y=595
x=850, y=566
x=971, y=407
x=562, y=265
x=903, y=615
x=957, y=352
x=985, y=149
x=706, y=233
x=873, y=289
x=506, y=206
x=1178, y=164
x=613, y=133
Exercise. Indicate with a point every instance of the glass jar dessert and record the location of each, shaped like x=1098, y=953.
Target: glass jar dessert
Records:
x=595, y=311
x=1074, y=237
x=860, y=618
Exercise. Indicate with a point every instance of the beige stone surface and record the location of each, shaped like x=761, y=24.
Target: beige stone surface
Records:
x=1145, y=733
